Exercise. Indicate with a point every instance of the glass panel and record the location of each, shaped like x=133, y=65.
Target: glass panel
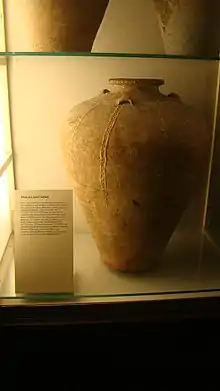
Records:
x=2, y=33
x=213, y=204
x=5, y=132
x=5, y=209
x=6, y=184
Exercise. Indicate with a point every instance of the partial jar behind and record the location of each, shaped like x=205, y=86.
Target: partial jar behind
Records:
x=190, y=27
x=52, y=25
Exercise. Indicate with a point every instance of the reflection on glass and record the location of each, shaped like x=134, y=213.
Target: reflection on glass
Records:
x=5, y=213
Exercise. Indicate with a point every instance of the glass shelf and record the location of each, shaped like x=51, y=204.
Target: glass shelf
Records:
x=106, y=54
x=186, y=277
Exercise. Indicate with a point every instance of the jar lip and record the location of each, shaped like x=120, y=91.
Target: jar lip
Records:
x=148, y=81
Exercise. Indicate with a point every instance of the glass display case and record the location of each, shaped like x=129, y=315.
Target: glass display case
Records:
x=109, y=150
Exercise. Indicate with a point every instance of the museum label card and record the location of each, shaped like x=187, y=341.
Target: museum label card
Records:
x=43, y=241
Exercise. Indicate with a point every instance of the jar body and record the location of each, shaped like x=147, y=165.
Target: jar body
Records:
x=135, y=157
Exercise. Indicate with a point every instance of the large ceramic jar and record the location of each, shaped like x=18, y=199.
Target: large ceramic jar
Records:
x=190, y=27
x=52, y=25
x=136, y=157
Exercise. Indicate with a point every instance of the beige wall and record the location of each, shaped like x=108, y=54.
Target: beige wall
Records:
x=129, y=26
x=43, y=90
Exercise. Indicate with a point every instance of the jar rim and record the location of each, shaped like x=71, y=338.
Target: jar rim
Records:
x=148, y=81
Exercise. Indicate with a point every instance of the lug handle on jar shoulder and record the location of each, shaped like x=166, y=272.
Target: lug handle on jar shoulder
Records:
x=124, y=100
x=174, y=96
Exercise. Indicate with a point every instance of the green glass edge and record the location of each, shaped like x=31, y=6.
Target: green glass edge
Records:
x=108, y=54
x=55, y=297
